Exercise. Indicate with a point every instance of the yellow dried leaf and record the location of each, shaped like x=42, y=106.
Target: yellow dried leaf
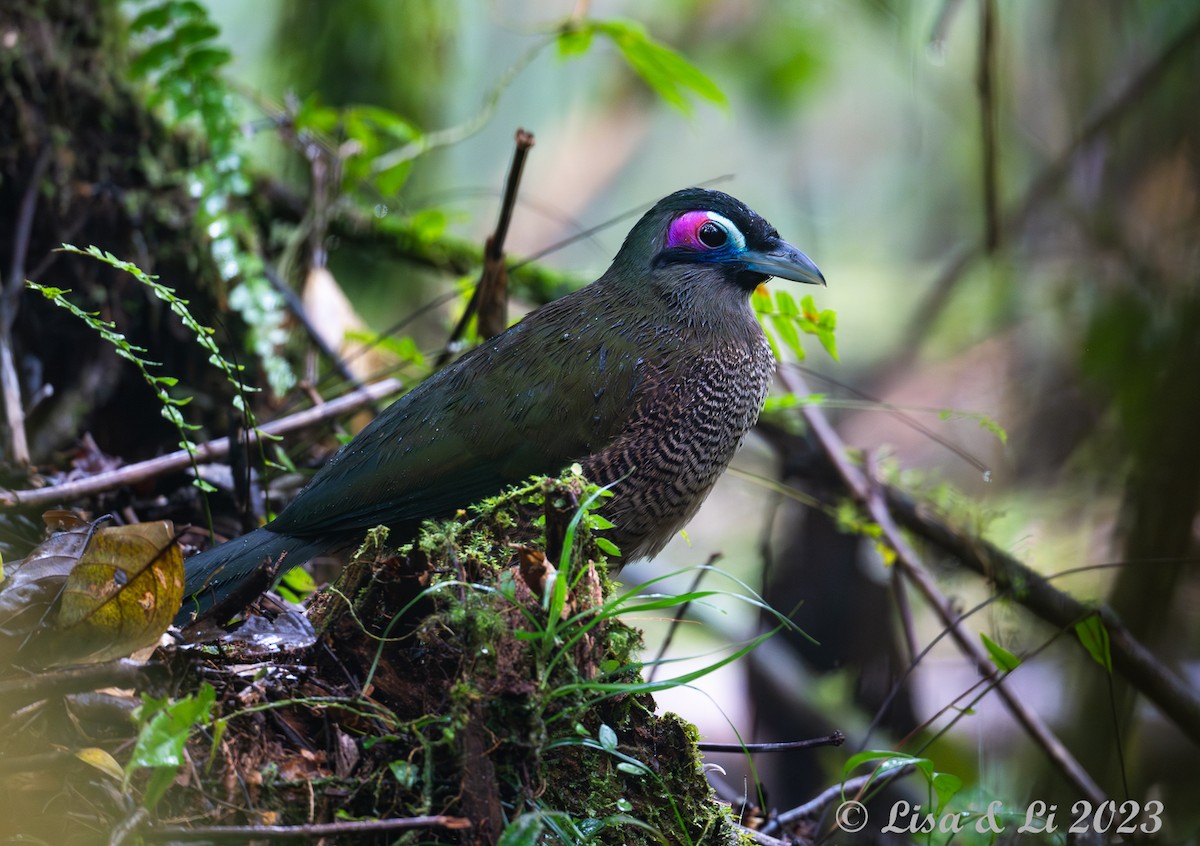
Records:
x=101, y=760
x=122, y=594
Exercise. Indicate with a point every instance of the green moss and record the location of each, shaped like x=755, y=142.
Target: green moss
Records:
x=493, y=707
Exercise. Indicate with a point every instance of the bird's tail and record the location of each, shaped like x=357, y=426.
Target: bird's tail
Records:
x=249, y=564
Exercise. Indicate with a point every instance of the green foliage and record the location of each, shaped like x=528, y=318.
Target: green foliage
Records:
x=566, y=638
x=523, y=831
x=181, y=62
x=987, y=423
x=1093, y=634
x=159, y=384
x=606, y=741
x=1001, y=657
x=671, y=76
x=164, y=728
x=944, y=786
x=376, y=146
x=784, y=321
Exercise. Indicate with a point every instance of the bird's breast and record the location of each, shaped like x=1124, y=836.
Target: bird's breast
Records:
x=690, y=416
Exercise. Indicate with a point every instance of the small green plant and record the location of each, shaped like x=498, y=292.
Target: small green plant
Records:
x=164, y=727
x=161, y=385
x=784, y=320
x=180, y=59
x=671, y=76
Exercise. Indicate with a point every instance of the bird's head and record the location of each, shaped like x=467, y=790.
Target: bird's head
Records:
x=699, y=233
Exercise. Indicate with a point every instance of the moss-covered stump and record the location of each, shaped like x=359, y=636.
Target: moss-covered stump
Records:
x=470, y=677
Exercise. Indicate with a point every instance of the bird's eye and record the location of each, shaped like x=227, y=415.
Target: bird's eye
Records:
x=712, y=235
x=701, y=231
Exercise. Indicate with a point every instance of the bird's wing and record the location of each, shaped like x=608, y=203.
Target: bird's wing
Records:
x=529, y=401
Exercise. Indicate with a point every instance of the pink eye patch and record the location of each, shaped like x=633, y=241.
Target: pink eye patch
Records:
x=684, y=229
x=704, y=231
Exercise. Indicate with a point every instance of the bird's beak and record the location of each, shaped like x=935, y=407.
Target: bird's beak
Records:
x=786, y=262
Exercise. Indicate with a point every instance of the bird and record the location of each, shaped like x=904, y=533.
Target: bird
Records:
x=648, y=378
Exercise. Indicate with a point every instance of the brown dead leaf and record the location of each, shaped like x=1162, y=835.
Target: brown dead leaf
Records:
x=535, y=569
x=90, y=594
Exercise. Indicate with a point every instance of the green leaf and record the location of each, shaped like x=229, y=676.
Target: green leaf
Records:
x=195, y=32
x=886, y=760
x=388, y=121
x=160, y=743
x=296, y=584
x=829, y=342
x=663, y=69
x=315, y=116
x=156, y=17
x=607, y=547
x=632, y=769
x=991, y=426
x=945, y=785
x=786, y=304
x=525, y=830
x=204, y=60
x=429, y=224
x=575, y=41
x=155, y=57
x=607, y=738
x=1000, y=656
x=1093, y=634
x=389, y=181
x=785, y=328
x=404, y=773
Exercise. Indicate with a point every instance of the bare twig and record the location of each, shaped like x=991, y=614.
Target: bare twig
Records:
x=680, y=613
x=1131, y=659
x=835, y=739
x=489, y=302
x=21, y=236
x=204, y=453
x=1040, y=189
x=850, y=787
x=314, y=831
x=10, y=293
x=296, y=307
x=986, y=77
x=860, y=488
x=48, y=684
x=904, y=609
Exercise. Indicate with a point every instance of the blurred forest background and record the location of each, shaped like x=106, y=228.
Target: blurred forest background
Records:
x=1005, y=200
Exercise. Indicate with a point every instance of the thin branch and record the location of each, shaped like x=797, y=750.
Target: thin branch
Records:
x=524, y=143
x=1158, y=683
x=10, y=293
x=861, y=489
x=204, y=453
x=21, y=235
x=680, y=614
x=315, y=831
x=835, y=739
x=296, y=307
x=935, y=299
x=986, y=76
x=489, y=300
x=850, y=787
x=48, y=684
x=398, y=236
